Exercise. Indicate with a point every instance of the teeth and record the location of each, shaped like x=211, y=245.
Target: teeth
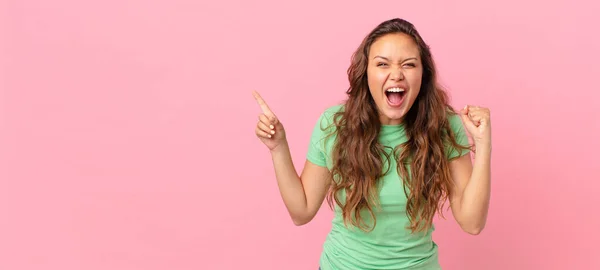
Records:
x=395, y=89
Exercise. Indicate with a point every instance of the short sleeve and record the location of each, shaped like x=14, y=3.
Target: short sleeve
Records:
x=316, y=147
x=322, y=137
x=461, y=137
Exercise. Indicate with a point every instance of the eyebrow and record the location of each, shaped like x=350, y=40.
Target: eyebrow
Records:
x=384, y=58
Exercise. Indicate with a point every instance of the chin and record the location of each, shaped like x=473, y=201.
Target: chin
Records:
x=394, y=116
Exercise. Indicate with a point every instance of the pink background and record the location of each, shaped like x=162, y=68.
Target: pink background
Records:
x=128, y=128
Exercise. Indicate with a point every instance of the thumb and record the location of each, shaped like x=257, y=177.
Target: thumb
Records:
x=273, y=120
x=464, y=115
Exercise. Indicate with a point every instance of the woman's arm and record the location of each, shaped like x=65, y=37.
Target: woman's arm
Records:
x=470, y=198
x=302, y=195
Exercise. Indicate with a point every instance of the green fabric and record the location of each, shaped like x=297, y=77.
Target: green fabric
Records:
x=390, y=245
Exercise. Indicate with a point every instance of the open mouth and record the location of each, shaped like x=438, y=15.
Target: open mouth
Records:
x=395, y=96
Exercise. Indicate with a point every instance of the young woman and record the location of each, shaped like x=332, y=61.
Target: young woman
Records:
x=387, y=159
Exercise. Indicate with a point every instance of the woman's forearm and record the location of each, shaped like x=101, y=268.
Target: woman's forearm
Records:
x=476, y=196
x=290, y=185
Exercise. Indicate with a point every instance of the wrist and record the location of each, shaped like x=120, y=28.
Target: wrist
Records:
x=483, y=150
x=279, y=149
x=483, y=145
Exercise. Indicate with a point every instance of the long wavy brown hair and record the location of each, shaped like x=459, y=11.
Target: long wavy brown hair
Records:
x=359, y=159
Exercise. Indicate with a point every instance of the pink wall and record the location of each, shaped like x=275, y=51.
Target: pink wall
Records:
x=127, y=138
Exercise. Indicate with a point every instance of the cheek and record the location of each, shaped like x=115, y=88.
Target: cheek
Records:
x=415, y=80
x=372, y=80
x=376, y=79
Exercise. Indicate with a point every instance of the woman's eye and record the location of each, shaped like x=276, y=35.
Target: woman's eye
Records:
x=381, y=64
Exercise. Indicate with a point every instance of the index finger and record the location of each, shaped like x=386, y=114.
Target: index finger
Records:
x=263, y=105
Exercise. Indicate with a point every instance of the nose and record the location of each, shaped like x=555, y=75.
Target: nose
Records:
x=397, y=74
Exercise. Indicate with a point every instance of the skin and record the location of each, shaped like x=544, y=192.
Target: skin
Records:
x=471, y=198
x=302, y=195
x=393, y=60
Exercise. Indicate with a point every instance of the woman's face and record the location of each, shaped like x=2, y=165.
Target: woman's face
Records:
x=394, y=74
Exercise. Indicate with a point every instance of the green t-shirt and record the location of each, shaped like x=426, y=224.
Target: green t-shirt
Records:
x=389, y=245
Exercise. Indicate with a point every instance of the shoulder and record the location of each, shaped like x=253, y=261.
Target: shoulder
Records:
x=455, y=124
x=327, y=117
x=332, y=110
x=454, y=120
x=325, y=125
x=460, y=138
